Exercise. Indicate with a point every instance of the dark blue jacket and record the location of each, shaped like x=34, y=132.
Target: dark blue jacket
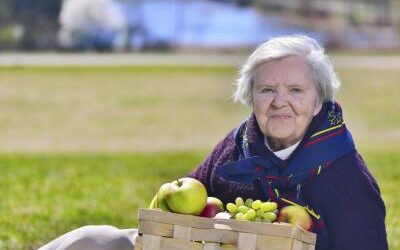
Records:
x=346, y=195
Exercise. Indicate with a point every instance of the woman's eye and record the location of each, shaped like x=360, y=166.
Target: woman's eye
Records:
x=296, y=90
x=267, y=90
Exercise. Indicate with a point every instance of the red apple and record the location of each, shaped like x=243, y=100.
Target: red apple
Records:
x=213, y=206
x=295, y=215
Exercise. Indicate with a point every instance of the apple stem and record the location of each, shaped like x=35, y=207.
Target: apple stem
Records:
x=179, y=182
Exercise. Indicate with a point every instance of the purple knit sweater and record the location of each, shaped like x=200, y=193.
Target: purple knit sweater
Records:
x=346, y=194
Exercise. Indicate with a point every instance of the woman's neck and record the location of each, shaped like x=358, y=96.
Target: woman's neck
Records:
x=277, y=145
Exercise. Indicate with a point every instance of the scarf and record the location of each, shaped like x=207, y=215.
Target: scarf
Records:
x=326, y=140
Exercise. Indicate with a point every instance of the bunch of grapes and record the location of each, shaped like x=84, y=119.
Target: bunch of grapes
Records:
x=250, y=210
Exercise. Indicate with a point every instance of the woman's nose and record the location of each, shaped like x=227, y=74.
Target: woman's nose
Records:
x=280, y=99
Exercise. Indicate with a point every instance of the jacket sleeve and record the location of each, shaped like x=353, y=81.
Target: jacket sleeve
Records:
x=225, y=190
x=349, y=200
x=204, y=171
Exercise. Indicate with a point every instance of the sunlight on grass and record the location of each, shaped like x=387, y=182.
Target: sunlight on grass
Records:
x=44, y=196
x=371, y=106
x=74, y=135
x=161, y=108
x=115, y=109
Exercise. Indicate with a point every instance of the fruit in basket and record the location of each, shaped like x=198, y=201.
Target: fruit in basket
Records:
x=161, y=197
x=250, y=214
x=269, y=216
x=243, y=208
x=239, y=216
x=184, y=195
x=248, y=202
x=268, y=206
x=256, y=204
x=158, y=201
x=252, y=210
x=213, y=207
x=295, y=215
x=232, y=208
x=153, y=203
x=239, y=201
x=222, y=215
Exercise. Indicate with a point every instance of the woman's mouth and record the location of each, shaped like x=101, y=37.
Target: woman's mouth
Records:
x=280, y=116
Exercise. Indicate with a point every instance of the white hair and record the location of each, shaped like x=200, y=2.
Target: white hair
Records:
x=325, y=79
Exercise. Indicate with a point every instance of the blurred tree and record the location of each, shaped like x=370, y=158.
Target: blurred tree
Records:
x=305, y=7
x=5, y=14
x=92, y=24
x=40, y=22
x=385, y=15
x=6, y=24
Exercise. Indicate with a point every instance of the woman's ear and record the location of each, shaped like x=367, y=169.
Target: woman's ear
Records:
x=317, y=108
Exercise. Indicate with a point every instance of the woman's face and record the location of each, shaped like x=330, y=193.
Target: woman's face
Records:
x=284, y=100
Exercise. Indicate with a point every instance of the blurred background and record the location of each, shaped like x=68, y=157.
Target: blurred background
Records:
x=170, y=25
x=102, y=101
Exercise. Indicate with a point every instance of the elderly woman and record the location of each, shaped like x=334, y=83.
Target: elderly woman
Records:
x=293, y=149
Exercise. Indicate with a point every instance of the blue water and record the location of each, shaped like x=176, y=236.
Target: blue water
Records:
x=186, y=23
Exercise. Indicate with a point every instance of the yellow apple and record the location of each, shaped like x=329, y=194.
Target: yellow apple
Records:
x=295, y=215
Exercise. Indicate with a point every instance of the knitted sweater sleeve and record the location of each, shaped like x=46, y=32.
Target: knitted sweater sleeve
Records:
x=204, y=171
x=349, y=200
x=226, y=190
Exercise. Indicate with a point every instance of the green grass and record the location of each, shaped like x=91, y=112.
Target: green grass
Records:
x=44, y=196
x=371, y=107
x=115, y=109
x=385, y=166
x=91, y=145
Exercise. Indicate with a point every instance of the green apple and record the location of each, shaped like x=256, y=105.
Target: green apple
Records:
x=153, y=203
x=161, y=197
x=295, y=215
x=185, y=195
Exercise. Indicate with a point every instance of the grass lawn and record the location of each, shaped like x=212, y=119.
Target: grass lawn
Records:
x=91, y=145
x=44, y=196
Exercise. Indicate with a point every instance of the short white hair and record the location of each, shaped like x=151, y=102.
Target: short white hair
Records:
x=325, y=79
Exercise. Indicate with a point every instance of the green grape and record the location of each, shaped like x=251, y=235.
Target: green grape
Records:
x=248, y=202
x=239, y=216
x=266, y=220
x=251, y=214
x=242, y=209
x=239, y=201
x=232, y=208
x=246, y=217
x=269, y=216
x=268, y=206
x=259, y=213
x=256, y=204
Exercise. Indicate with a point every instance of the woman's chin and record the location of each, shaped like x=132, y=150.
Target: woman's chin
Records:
x=280, y=133
x=284, y=140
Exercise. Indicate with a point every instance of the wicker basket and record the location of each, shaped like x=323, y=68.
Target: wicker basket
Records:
x=167, y=231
